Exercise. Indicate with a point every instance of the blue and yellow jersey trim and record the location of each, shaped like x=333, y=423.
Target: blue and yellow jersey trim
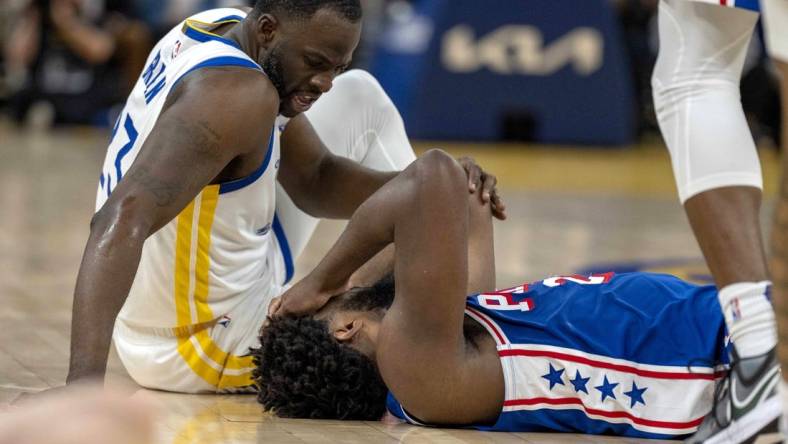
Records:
x=198, y=350
x=237, y=184
x=194, y=30
x=284, y=247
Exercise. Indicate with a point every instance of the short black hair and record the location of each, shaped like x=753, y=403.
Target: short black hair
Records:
x=305, y=9
x=302, y=371
x=380, y=296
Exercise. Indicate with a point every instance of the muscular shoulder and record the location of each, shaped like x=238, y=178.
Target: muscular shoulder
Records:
x=229, y=89
x=458, y=384
x=240, y=103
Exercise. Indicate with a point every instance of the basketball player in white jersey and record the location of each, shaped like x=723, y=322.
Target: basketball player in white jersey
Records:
x=191, y=238
x=703, y=45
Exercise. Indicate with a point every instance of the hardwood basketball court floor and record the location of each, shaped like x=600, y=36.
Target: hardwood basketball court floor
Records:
x=570, y=209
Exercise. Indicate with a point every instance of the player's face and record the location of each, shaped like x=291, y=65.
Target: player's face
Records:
x=304, y=60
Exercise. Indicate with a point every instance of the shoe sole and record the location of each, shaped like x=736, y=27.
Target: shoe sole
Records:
x=746, y=427
x=770, y=437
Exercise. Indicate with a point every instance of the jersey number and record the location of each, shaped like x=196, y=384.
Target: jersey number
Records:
x=508, y=299
x=131, y=133
x=505, y=299
x=155, y=81
x=594, y=279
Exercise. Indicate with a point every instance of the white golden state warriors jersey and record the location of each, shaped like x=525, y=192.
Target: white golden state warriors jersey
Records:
x=222, y=249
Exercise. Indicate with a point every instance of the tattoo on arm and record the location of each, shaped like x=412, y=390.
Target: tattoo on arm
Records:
x=204, y=139
x=163, y=191
x=203, y=144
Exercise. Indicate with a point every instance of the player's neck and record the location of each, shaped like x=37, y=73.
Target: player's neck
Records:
x=238, y=33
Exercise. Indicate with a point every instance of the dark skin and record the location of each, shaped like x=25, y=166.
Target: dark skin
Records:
x=189, y=148
x=156, y=189
x=726, y=224
x=779, y=237
x=443, y=251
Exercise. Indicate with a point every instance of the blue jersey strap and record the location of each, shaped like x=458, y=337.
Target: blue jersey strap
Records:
x=218, y=62
x=396, y=409
x=193, y=30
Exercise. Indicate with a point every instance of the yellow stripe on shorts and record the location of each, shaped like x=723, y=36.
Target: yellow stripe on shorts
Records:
x=200, y=363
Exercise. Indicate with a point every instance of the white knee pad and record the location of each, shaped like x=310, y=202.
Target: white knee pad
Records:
x=696, y=96
x=357, y=119
x=360, y=88
x=775, y=24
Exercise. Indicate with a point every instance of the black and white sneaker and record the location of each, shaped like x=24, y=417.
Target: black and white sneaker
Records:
x=747, y=407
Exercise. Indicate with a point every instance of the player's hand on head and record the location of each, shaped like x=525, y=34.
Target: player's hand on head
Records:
x=273, y=307
x=304, y=298
x=485, y=183
x=297, y=301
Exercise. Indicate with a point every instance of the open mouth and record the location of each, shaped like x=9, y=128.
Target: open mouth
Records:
x=303, y=101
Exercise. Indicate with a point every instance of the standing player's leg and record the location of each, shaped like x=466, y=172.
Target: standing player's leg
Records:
x=779, y=244
x=357, y=120
x=775, y=20
x=696, y=94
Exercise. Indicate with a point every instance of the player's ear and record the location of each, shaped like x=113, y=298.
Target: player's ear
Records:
x=267, y=27
x=347, y=330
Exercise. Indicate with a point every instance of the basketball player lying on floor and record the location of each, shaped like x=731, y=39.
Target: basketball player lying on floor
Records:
x=632, y=354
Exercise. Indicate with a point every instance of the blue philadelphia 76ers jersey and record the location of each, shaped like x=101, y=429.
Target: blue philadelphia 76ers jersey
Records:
x=752, y=5
x=634, y=354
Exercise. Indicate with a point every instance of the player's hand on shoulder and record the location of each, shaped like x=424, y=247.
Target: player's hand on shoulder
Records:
x=478, y=179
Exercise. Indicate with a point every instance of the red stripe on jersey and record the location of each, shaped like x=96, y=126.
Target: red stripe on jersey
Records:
x=724, y=2
x=492, y=325
x=590, y=411
x=611, y=366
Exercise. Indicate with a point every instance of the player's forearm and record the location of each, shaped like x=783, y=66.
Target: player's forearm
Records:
x=417, y=197
x=108, y=267
x=375, y=269
x=341, y=186
x=369, y=231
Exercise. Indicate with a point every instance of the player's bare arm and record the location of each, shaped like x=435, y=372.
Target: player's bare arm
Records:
x=325, y=185
x=190, y=147
x=425, y=323
x=320, y=183
x=424, y=212
x=481, y=246
x=329, y=186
